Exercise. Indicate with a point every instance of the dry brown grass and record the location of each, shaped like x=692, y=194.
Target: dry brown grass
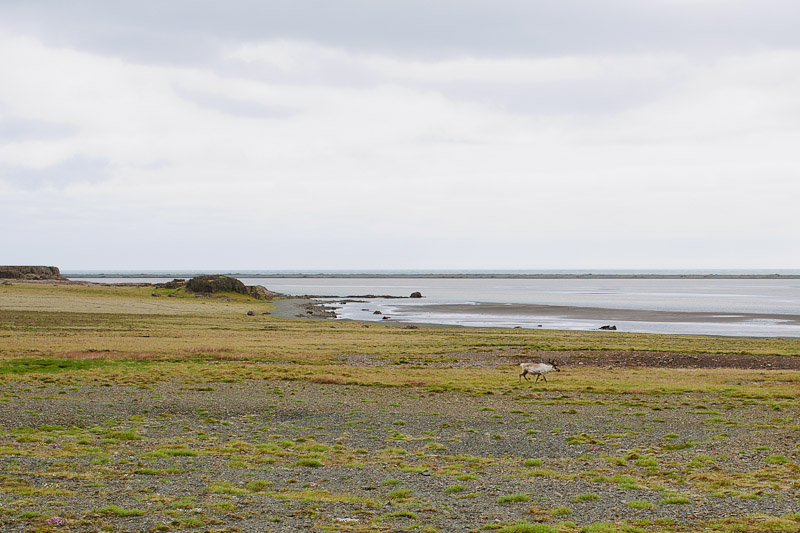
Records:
x=146, y=356
x=210, y=349
x=190, y=334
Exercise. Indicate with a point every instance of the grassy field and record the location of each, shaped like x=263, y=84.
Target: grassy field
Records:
x=141, y=409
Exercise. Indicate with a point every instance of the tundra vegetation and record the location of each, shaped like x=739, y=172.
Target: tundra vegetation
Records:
x=121, y=411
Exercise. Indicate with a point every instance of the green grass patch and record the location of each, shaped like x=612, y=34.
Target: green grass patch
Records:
x=527, y=527
x=224, y=487
x=399, y=494
x=514, y=498
x=126, y=434
x=257, y=485
x=639, y=504
x=776, y=460
x=50, y=365
x=171, y=452
x=402, y=514
x=585, y=497
x=675, y=500
x=312, y=463
x=118, y=511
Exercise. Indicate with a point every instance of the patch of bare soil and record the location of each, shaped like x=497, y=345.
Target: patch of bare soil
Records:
x=669, y=360
x=598, y=359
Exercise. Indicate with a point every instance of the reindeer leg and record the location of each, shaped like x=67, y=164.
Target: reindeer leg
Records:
x=544, y=378
x=537, y=378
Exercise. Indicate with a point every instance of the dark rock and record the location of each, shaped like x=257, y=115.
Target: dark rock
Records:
x=219, y=283
x=30, y=272
x=251, y=313
x=174, y=284
x=377, y=313
x=155, y=294
x=416, y=295
x=216, y=283
x=612, y=328
x=259, y=292
x=410, y=326
x=386, y=318
x=316, y=310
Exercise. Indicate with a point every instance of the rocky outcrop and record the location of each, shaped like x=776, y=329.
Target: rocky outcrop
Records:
x=216, y=283
x=610, y=328
x=219, y=283
x=174, y=284
x=30, y=272
x=416, y=295
x=259, y=292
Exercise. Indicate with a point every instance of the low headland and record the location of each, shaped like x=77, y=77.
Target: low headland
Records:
x=121, y=410
x=31, y=273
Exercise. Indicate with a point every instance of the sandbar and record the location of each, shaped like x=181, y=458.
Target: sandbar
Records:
x=598, y=313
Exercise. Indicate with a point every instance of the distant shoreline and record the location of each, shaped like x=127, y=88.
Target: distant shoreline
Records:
x=443, y=275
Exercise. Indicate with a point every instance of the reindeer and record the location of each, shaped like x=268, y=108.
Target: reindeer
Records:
x=540, y=369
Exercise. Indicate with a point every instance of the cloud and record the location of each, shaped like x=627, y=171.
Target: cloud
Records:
x=73, y=170
x=326, y=153
x=189, y=32
x=13, y=129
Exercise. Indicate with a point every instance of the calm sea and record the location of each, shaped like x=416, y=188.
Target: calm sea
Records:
x=725, y=297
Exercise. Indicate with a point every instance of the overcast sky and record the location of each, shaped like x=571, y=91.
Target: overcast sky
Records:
x=397, y=134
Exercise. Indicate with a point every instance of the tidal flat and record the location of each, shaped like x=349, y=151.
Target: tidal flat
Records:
x=125, y=411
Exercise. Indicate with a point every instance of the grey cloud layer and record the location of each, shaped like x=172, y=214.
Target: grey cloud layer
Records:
x=187, y=31
x=344, y=134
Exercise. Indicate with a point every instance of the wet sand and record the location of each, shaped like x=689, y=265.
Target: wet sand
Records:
x=599, y=314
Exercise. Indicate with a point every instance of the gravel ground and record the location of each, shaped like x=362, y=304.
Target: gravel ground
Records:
x=72, y=451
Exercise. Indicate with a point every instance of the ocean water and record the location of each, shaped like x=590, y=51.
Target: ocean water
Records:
x=724, y=297
x=405, y=312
